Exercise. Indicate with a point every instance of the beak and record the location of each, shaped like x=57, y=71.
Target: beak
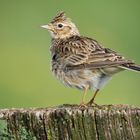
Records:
x=46, y=26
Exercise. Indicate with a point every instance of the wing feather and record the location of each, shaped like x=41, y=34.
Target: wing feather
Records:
x=88, y=53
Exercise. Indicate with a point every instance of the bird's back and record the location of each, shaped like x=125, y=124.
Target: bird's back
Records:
x=68, y=54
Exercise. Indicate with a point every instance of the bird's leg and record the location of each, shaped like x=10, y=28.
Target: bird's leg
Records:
x=93, y=98
x=83, y=97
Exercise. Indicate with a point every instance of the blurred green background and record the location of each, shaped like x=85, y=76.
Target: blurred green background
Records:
x=25, y=76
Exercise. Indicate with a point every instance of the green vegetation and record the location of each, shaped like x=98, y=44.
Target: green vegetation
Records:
x=25, y=76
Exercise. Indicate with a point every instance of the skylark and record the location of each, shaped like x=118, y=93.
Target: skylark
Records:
x=81, y=62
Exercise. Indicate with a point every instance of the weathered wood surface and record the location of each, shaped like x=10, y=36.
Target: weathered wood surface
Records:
x=69, y=122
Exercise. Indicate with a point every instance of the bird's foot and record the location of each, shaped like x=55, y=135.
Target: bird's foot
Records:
x=83, y=105
x=91, y=103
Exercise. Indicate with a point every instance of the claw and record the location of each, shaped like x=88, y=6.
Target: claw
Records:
x=83, y=105
x=92, y=104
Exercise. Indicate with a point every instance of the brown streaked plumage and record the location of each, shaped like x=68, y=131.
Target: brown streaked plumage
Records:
x=81, y=62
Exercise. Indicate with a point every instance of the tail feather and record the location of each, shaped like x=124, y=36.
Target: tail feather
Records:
x=132, y=67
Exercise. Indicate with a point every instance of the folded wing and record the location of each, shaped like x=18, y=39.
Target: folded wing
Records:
x=88, y=53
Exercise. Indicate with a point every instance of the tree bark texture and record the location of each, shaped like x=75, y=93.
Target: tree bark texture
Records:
x=71, y=122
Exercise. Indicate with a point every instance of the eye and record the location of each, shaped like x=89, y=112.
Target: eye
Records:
x=60, y=25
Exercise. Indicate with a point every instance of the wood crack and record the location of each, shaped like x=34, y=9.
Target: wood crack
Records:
x=96, y=123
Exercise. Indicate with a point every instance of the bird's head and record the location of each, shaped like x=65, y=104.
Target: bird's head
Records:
x=61, y=27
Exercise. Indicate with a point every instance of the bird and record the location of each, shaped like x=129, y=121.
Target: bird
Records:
x=82, y=62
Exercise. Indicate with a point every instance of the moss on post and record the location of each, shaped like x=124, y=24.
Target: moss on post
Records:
x=69, y=122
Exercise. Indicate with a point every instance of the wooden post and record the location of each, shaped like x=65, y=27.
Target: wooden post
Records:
x=69, y=122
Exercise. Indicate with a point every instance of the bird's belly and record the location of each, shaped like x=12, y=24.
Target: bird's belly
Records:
x=81, y=79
